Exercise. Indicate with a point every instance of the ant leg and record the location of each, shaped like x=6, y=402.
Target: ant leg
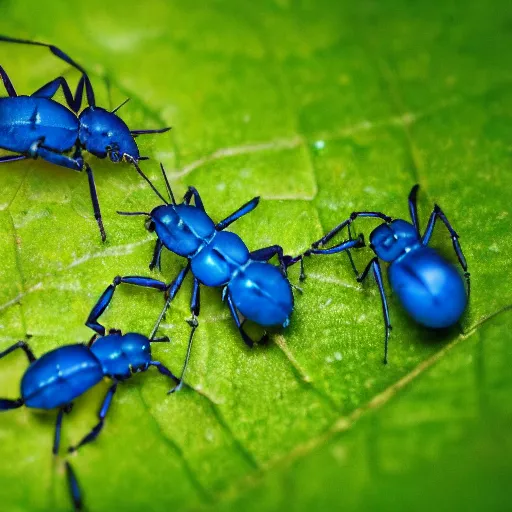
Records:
x=339, y=227
x=374, y=265
x=74, y=488
x=76, y=163
x=232, y=308
x=192, y=192
x=95, y=202
x=94, y=337
x=243, y=210
x=7, y=83
x=266, y=253
x=157, y=253
x=172, y=290
x=37, y=150
x=58, y=425
x=50, y=89
x=164, y=371
x=7, y=403
x=291, y=260
x=353, y=243
x=413, y=207
x=61, y=55
x=106, y=298
x=438, y=213
x=349, y=254
x=23, y=345
x=12, y=158
x=343, y=246
x=194, y=310
x=56, y=438
x=93, y=434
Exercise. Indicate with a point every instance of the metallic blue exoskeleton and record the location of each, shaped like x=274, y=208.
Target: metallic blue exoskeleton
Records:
x=429, y=287
x=38, y=126
x=252, y=287
x=58, y=377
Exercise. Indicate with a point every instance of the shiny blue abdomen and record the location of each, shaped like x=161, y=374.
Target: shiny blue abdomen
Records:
x=59, y=376
x=24, y=120
x=119, y=354
x=262, y=294
x=183, y=229
x=218, y=260
x=429, y=287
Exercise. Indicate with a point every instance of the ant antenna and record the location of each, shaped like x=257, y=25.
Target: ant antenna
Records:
x=139, y=170
x=145, y=214
x=122, y=105
x=167, y=185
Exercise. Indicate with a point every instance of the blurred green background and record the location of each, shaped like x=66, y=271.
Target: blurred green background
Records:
x=320, y=107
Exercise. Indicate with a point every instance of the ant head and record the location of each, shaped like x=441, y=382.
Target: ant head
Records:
x=389, y=241
x=163, y=218
x=103, y=134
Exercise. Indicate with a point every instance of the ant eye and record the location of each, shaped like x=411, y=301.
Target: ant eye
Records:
x=150, y=225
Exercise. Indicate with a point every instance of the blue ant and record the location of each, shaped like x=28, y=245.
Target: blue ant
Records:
x=38, y=126
x=60, y=376
x=252, y=287
x=430, y=288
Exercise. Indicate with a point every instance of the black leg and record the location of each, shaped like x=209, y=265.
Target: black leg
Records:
x=172, y=290
x=61, y=55
x=196, y=298
x=50, y=89
x=438, y=213
x=345, y=223
x=7, y=404
x=76, y=163
x=107, y=295
x=37, y=149
x=12, y=158
x=374, y=265
x=243, y=210
x=58, y=427
x=56, y=438
x=413, y=207
x=157, y=253
x=93, y=434
x=266, y=253
x=349, y=254
x=94, y=337
x=194, y=324
x=95, y=202
x=23, y=345
x=234, y=313
x=7, y=83
x=164, y=370
x=193, y=193
x=344, y=246
x=74, y=488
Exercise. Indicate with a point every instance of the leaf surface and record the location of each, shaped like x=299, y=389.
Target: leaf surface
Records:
x=321, y=108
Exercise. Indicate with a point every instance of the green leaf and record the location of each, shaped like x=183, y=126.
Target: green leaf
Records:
x=320, y=107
